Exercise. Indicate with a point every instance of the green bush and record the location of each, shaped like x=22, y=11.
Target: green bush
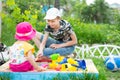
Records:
x=13, y=14
x=89, y=33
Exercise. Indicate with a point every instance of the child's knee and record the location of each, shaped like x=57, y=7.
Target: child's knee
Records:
x=48, y=51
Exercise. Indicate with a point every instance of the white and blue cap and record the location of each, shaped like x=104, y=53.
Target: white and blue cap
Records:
x=52, y=13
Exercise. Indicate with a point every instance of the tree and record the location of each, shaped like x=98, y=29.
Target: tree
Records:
x=79, y=10
x=57, y=4
x=100, y=11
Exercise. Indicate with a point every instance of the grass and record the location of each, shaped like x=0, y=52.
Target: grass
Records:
x=83, y=76
x=105, y=74
x=4, y=76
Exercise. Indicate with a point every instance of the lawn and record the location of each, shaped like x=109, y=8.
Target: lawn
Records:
x=105, y=74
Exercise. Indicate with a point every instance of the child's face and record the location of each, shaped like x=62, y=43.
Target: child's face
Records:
x=54, y=23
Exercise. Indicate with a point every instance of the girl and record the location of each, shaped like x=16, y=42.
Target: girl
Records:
x=21, y=52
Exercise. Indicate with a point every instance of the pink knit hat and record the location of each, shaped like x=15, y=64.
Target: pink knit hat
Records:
x=24, y=31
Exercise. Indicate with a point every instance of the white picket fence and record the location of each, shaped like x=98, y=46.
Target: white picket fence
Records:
x=98, y=51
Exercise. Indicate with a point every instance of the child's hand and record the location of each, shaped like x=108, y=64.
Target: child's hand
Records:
x=55, y=46
x=39, y=69
x=39, y=53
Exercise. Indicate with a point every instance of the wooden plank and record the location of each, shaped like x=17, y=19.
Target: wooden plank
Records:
x=91, y=68
x=5, y=66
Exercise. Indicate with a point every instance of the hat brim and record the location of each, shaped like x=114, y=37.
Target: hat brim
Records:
x=50, y=17
x=25, y=38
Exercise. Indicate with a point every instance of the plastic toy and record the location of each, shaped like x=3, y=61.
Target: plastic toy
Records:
x=112, y=63
x=54, y=56
x=77, y=63
x=61, y=63
x=53, y=65
x=68, y=67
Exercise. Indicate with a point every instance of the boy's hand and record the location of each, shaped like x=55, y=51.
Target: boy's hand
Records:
x=55, y=46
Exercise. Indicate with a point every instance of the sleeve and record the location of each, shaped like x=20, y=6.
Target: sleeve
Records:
x=68, y=28
x=27, y=47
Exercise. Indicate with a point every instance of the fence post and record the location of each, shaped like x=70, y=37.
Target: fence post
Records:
x=83, y=51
